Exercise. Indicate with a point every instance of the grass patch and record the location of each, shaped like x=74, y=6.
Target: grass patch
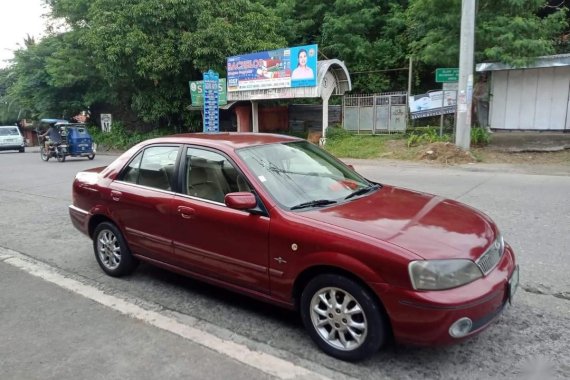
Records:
x=342, y=143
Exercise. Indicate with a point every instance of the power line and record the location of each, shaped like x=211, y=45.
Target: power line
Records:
x=379, y=71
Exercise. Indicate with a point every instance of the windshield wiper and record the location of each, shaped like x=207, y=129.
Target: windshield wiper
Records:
x=316, y=203
x=363, y=190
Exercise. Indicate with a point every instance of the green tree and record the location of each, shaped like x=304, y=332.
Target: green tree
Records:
x=509, y=31
x=368, y=35
x=54, y=78
x=8, y=107
x=148, y=50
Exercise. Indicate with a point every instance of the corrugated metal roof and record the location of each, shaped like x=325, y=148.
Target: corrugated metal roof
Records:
x=557, y=60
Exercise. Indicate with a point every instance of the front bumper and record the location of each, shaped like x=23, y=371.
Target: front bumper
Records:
x=425, y=317
x=12, y=146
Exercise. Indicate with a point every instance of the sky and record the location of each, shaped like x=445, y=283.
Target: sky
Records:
x=17, y=19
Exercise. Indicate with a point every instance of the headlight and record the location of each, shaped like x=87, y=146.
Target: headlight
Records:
x=442, y=274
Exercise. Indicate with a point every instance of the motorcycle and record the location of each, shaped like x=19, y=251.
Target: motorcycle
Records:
x=57, y=150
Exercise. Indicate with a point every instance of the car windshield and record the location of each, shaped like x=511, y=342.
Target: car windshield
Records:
x=300, y=175
x=9, y=131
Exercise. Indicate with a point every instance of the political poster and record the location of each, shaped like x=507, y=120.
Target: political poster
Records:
x=280, y=68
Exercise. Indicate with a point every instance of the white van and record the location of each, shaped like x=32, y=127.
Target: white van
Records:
x=11, y=138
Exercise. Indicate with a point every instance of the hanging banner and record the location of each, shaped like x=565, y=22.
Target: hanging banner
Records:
x=433, y=103
x=281, y=68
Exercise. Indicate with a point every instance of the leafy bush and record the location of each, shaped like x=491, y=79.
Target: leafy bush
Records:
x=480, y=137
x=120, y=138
x=337, y=133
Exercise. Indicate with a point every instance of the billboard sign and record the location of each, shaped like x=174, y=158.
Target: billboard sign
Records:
x=281, y=68
x=197, y=92
x=211, y=98
x=433, y=103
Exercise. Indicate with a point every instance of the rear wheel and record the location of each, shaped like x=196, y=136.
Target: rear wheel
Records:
x=60, y=156
x=112, y=252
x=342, y=317
x=22, y=150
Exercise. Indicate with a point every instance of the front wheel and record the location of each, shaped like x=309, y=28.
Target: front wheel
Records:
x=43, y=154
x=111, y=251
x=91, y=156
x=342, y=317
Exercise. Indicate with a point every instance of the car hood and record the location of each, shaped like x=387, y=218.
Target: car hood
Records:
x=429, y=226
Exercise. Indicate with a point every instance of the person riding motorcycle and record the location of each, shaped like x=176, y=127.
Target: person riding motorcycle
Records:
x=54, y=137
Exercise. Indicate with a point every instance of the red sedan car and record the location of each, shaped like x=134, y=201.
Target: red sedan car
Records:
x=279, y=219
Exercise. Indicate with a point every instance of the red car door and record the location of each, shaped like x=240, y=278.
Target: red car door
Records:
x=212, y=239
x=142, y=202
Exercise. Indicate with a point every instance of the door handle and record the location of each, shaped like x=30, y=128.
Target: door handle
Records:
x=116, y=195
x=186, y=212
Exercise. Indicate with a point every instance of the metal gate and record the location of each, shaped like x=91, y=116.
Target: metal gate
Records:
x=375, y=113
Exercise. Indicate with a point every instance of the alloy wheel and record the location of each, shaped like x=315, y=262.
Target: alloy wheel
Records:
x=338, y=318
x=108, y=249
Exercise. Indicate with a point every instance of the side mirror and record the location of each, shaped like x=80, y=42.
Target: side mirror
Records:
x=241, y=201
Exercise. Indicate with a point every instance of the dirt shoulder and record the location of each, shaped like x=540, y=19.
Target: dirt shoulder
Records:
x=489, y=158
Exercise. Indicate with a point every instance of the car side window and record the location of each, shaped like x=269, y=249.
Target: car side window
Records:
x=210, y=175
x=154, y=167
x=131, y=172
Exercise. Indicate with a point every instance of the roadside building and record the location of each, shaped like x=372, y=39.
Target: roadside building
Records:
x=535, y=97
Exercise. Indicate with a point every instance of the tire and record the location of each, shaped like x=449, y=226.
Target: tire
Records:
x=111, y=251
x=60, y=156
x=22, y=150
x=43, y=155
x=335, y=330
x=91, y=156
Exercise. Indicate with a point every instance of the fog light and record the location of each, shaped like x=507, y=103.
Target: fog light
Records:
x=461, y=327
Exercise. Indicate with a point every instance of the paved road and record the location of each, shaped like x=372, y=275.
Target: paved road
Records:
x=51, y=333
x=530, y=338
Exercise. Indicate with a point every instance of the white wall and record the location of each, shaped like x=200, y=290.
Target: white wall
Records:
x=531, y=99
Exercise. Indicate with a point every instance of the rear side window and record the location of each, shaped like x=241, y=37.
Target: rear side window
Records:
x=154, y=167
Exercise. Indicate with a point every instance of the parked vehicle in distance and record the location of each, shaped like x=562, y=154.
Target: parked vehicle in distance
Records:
x=11, y=138
x=279, y=219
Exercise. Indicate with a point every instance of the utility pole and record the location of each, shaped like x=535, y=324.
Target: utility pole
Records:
x=465, y=90
x=410, y=77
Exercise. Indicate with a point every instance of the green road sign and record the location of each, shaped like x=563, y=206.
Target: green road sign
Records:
x=446, y=75
x=197, y=93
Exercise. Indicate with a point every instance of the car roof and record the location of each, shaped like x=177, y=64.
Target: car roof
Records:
x=232, y=140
